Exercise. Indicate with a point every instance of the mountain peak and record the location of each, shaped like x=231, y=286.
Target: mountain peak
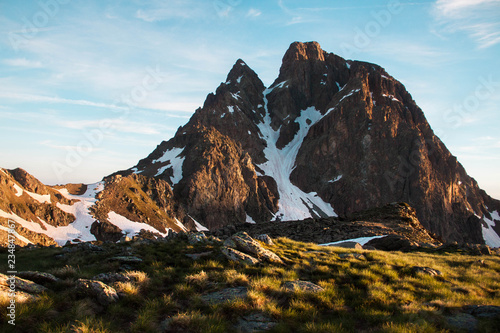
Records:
x=304, y=51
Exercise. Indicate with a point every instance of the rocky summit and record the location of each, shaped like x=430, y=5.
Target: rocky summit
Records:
x=329, y=138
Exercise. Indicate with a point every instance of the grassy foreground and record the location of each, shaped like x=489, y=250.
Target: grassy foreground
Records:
x=377, y=292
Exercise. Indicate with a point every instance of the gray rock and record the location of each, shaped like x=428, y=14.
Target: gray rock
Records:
x=98, y=290
x=126, y=259
x=239, y=256
x=38, y=277
x=351, y=256
x=302, y=285
x=349, y=245
x=483, y=311
x=27, y=286
x=225, y=295
x=264, y=238
x=463, y=321
x=257, y=322
x=197, y=237
x=111, y=277
x=243, y=242
x=426, y=270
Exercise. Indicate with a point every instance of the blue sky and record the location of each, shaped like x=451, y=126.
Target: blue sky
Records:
x=90, y=87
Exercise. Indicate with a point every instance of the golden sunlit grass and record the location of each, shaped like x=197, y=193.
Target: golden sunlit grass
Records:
x=377, y=291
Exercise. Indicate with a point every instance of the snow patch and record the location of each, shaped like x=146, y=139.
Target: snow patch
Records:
x=336, y=179
x=294, y=204
x=230, y=109
x=198, y=226
x=180, y=225
x=348, y=65
x=392, y=97
x=239, y=79
x=491, y=238
x=21, y=238
x=249, y=219
x=19, y=190
x=360, y=240
x=352, y=92
x=172, y=156
x=130, y=228
x=249, y=133
x=236, y=96
x=278, y=86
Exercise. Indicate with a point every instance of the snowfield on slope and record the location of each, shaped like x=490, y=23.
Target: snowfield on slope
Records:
x=80, y=228
x=491, y=238
x=131, y=228
x=294, y=204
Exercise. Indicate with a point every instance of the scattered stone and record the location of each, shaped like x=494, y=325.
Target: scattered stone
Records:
x=351, y=256
x=302, y=285
x=257, y=322
x=238, y=256
x=27, y=286
x=98, y=290
x=426, y=270
x=463, y=321
x=38, y=277
x=264, y=238
x=348, y=245
x=126, y=259
x=197, y=256
x=483, y=311
x=111, y=277
x=243, y=242
x=225, y=295
x=393, y=243
x=21, y=296
x=197, y=237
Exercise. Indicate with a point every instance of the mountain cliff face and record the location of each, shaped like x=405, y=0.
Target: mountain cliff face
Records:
x=329, y=137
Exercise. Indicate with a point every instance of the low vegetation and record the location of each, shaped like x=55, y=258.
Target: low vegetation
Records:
x=376, y=292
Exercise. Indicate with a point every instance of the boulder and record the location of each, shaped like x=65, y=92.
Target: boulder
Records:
x=243, y=242
x=111, y=277
x=98, y=290
x=225, y=295
x=27, y=286
x=256, y=322
x=306, y=286
x=426, y=270
x=349, y=245
x=393, y=243
x=463, y=322
x=483, y=311
x=196, y=237
x=264, y=238
x=239, y=256
x=38, y=277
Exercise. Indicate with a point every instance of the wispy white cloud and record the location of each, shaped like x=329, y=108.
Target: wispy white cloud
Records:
x=480, y=19
x=252, y=12
x=114, y=125
x=165, y=10
x=23, y=62
x=57, y=100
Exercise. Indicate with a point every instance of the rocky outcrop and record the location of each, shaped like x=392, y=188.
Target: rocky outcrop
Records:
x=97, y=290
x=242, y=248
x=394, y=220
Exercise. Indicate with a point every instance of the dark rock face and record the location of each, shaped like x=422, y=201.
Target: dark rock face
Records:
x=369, y=145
